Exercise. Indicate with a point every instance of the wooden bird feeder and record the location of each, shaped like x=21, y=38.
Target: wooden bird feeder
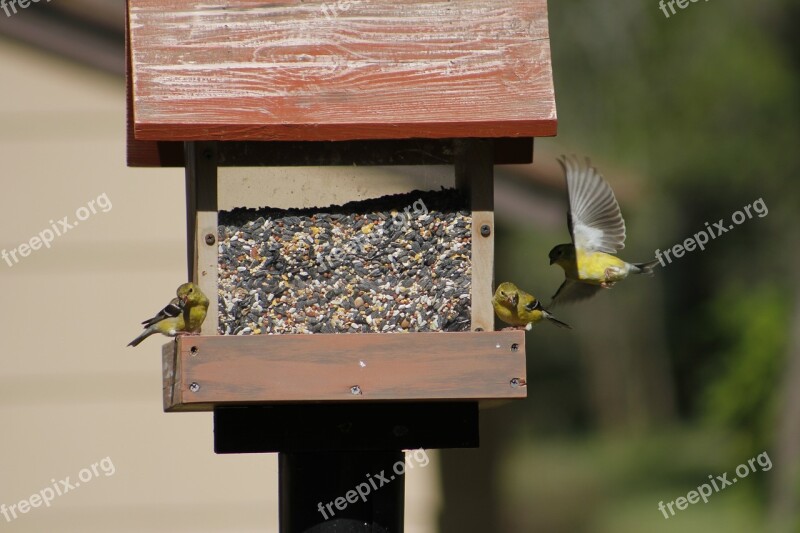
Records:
x=219, y=84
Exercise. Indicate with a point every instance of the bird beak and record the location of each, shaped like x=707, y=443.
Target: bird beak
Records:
x=552, y=260
x=514, y=300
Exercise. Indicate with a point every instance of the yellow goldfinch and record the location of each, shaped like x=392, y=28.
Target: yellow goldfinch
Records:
x=597, y=230
x=183, y=315
x=520, y=309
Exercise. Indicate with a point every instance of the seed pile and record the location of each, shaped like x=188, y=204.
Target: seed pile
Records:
x=397, y=263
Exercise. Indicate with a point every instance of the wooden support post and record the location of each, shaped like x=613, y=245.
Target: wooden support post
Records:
x=201, y=224
x=474, y=167
x=314, y=491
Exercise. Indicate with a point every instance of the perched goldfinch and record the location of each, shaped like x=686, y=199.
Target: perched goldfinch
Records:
x=520, y=309
x=183, y=315
x=597, y=230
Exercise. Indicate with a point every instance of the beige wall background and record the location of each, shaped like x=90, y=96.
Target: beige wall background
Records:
x=71, y=393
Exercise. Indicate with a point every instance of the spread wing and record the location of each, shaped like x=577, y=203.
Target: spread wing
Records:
x=595, y=221
x=573, y=291
x=173, y=309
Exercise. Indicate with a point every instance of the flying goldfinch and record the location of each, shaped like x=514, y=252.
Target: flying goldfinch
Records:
x=520, y=309
x=183, y=315
x=597, y=230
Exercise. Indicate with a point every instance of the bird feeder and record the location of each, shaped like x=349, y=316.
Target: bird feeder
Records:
x=221, y=85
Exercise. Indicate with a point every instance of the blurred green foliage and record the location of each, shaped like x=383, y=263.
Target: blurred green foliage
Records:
x=741, y=395
x=703, y=107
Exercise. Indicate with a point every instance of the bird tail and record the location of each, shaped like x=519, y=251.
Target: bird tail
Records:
x=146, y=333
x=556, y=321
x=645, y=268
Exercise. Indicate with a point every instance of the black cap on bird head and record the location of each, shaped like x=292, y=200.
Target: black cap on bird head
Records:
x=558, y=252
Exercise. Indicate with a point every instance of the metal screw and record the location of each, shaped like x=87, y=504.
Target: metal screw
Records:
x=478, y=329
x=193, y=350
x=210, y=239
x=208, y=153
x=486, y=230
x=517, y=382
x=355, y=390
x=515, y=347
x=194, y=387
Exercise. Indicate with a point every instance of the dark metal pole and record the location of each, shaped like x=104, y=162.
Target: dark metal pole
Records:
x=341, y=492
x=331, y=454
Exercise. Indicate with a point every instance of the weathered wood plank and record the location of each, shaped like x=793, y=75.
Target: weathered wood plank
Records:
x=170, y=372
x=206, y=270
x=475, y=175
x=309, y=70
x=222, y=370
x=201, y=224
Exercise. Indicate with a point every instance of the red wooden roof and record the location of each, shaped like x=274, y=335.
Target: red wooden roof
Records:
x=340, y=70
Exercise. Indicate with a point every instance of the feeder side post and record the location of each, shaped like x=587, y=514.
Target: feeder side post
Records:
x=474, y=167
x=201, y=224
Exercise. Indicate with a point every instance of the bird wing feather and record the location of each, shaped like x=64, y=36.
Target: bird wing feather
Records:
x=594, y=219
x=172, y=309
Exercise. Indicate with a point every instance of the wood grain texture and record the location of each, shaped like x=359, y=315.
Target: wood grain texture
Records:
x=316, y=368
x=201, y=223
x=311, y=70
x=475, y=176
x=206, y=270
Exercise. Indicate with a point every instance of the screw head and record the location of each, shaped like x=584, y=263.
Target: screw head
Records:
x=355, y=390
x=210, y=239
x=194, y=387
x=515, y=347
x=486, y=230
x=517, y=382
x=193, y=350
